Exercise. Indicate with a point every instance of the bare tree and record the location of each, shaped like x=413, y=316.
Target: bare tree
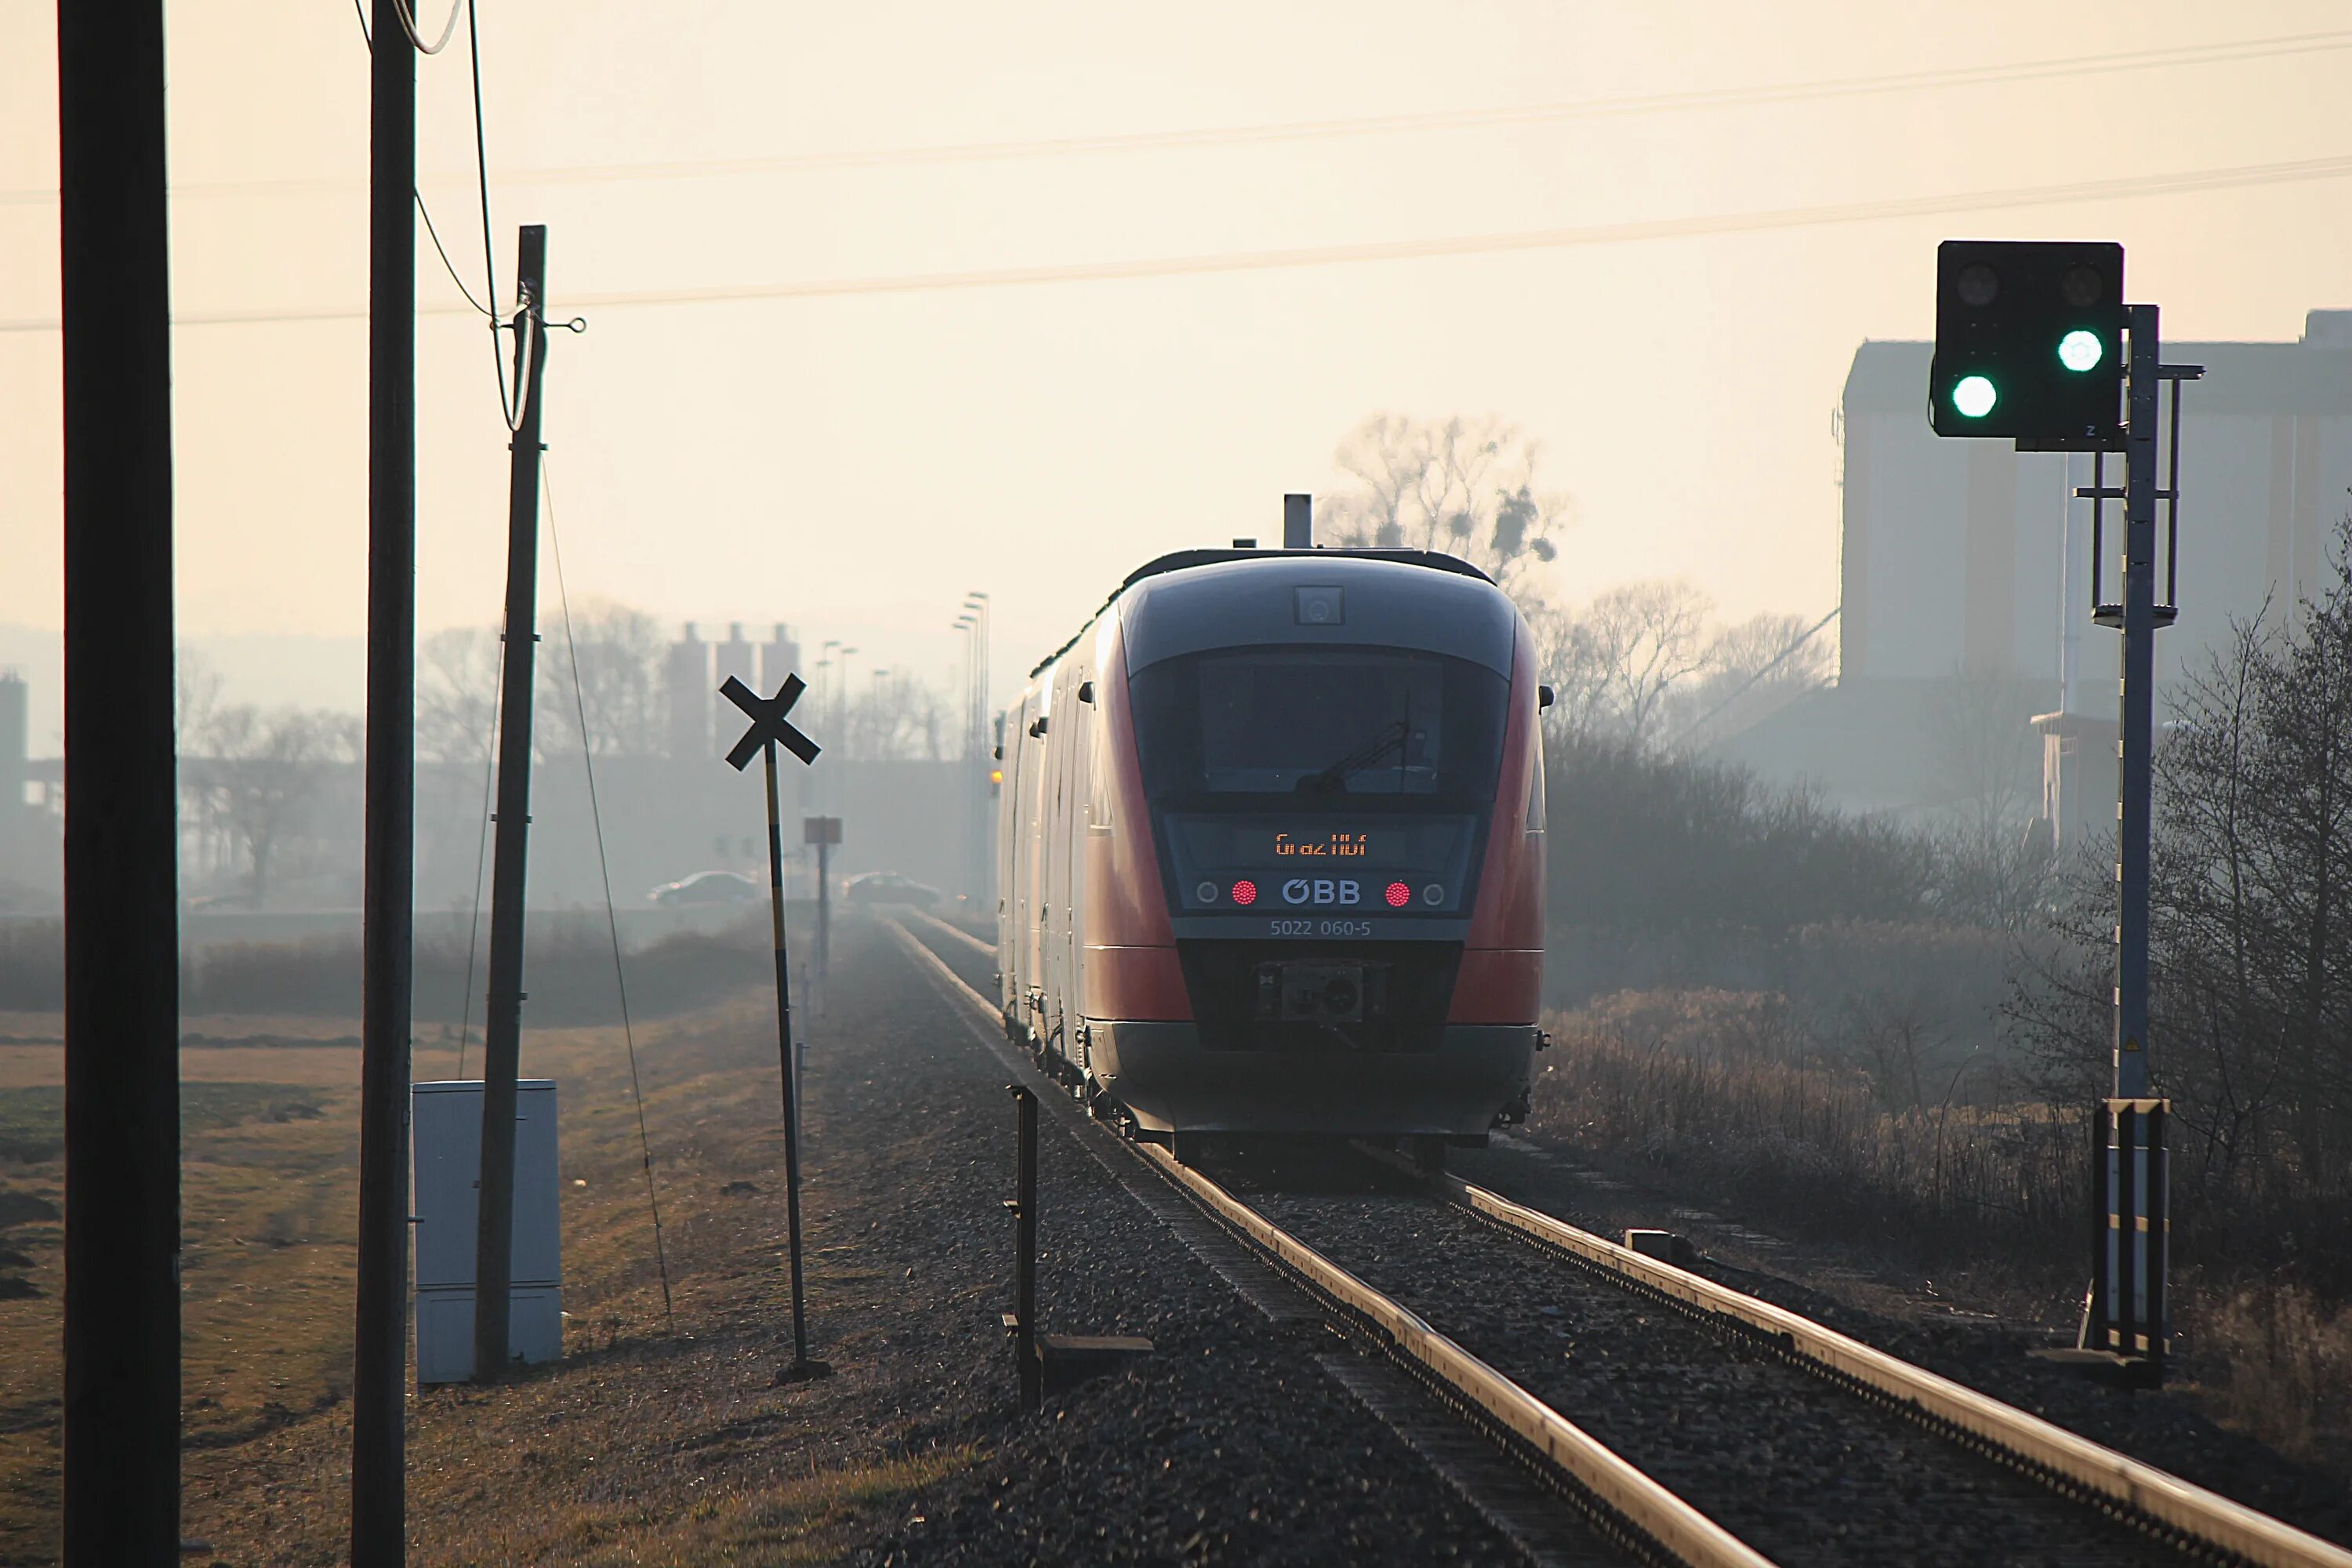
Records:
x=457, y=695
x=1648, y=639
x=2250, y=935
x=1982, y=749
x=263, y=774
x=898, y=717
x=1463, y=487
x=1751, y=671
x=620, y=653
x=195, y=694
x=1571, y=659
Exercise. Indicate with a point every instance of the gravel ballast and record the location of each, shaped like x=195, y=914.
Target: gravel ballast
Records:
x=1802, y=1470
x=1229, y=1444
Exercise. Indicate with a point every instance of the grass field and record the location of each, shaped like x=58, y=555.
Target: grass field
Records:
x=268, y=1191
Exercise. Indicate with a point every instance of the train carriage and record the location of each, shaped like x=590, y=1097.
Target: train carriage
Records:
x=1272, y=848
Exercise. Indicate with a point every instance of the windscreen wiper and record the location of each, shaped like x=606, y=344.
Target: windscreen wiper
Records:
x=1333, y=780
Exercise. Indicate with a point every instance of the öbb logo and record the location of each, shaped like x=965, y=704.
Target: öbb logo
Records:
x=1321, y=890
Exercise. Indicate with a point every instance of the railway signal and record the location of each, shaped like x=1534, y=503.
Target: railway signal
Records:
x=2029, y=342
x=2033, y=341
x=769, y=729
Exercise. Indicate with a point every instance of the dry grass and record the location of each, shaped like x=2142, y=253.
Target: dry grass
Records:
x=1726, y=1092
x=1868, y=1139
x=2286, y=1369
x=269, y=1151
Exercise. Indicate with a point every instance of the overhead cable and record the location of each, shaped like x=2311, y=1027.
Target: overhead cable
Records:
x=407, y=15
x=605, y=870
x=1696, y=100
x=2128, y=188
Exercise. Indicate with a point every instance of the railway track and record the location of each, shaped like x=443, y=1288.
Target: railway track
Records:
x=1709, y=1427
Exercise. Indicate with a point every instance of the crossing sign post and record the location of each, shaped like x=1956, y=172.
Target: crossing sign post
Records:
x=769, y=729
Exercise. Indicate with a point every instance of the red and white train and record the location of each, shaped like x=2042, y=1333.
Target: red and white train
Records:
x=1271, y=847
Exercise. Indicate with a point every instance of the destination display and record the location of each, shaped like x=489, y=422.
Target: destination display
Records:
x=1331, y=871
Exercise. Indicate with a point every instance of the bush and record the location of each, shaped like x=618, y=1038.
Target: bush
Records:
x=1641, y=842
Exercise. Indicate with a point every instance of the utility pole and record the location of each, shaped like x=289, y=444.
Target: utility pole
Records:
x=502, y=1020
x=121, y=1458
x=380, y=1349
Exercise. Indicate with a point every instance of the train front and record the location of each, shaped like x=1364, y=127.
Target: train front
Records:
x=1340, y=771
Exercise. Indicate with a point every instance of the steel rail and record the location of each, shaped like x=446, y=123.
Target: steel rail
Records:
x=1626, y=1490
x=2042, y=1447
x=1620, y=1488
x=958, y=932
x=2065, y=1458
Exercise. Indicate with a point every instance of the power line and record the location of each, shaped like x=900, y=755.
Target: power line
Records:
x=509, y=408
x=1776, y=660
x=1697, y=99
x=447, y=266
x=2132, y=187
x=605, y=870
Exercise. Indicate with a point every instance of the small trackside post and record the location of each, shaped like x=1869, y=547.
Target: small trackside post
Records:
x=1020, y=1322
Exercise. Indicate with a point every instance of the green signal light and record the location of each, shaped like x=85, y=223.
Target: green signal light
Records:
x=2080, y=351
x=1973, y=396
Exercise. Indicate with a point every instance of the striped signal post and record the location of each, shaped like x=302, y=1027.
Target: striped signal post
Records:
x=769, y=730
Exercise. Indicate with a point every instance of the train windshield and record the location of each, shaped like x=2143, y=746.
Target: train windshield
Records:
x=1321, y=723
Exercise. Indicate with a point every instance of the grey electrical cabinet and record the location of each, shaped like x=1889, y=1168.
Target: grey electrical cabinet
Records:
x=445, y=1133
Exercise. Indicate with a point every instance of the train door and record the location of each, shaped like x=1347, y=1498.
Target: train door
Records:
x=1033, y=862
x=1045, y=851
x=1066, y=750
x=1012, y=846
x=1060, y=727
x=1080, y=745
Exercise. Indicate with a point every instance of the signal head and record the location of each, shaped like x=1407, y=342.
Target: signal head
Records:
x=2029, y=342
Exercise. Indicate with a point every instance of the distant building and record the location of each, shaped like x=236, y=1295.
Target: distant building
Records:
x=30, y=848
x=1969, y=561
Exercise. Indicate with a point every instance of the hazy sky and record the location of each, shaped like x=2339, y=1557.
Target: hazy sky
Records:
x=852, y=462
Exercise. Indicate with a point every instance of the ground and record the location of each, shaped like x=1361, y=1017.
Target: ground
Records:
x=664, y=1439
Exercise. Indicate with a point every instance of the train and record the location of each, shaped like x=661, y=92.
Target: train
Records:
x=1270, y=843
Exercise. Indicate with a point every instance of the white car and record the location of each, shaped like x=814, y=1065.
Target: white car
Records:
x=709, y=887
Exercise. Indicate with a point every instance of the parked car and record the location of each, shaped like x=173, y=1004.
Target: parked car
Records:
x=709, y=887
x=889, y=887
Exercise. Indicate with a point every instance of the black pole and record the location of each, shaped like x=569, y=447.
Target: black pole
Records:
x=380, y=1349
x=121, y=852
x=502, y=1020
x=802, y=1366
x=2137, y=754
